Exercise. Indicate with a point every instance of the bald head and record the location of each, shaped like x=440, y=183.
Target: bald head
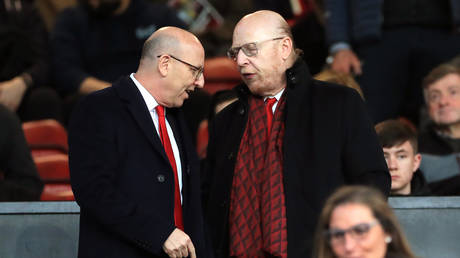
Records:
x=171, y=65
x=170, y=40
x=262, y=24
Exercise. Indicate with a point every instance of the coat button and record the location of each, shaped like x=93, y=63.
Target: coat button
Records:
x=242, y=111
x=230, y=156
x=161, y=178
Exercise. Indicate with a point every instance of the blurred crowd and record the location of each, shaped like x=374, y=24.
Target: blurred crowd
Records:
x=399, y=55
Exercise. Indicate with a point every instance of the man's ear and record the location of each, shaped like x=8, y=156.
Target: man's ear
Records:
x=286, y=47
x=164, y=65
x=417, y=161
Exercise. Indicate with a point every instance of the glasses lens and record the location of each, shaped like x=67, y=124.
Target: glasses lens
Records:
x=360, y=230
x=232, y=52
x=249, y=49
x=336, y=235
x=198, y=73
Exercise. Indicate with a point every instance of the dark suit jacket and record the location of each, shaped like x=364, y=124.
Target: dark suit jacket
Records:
x=329, y=141
x=122, y=179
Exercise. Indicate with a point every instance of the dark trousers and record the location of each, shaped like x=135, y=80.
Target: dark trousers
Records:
x=394, y=67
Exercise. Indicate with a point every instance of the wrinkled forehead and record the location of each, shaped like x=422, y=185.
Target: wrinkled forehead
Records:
x=251, y=31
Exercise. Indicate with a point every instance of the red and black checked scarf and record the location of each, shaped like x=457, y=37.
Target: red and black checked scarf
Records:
x=257, y=210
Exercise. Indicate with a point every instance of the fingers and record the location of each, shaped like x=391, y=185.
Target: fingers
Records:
x=346, y=61
x=179, y=244
x=191, y=250
x=356, y=66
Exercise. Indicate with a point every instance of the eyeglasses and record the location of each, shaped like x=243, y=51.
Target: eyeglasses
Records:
x=357, y=232
x=197, y=71
x=249, y=49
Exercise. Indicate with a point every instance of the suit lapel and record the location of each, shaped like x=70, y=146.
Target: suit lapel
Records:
x=132, y=98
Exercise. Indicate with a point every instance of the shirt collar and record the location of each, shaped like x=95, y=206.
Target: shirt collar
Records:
x=148, y=98
x=277, y=96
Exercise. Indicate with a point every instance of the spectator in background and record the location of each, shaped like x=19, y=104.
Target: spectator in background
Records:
x=19, y=180
x=99, y=41
x=217, y=41
x=439, y=143
x=391, y=45
x=356, y=221
x=24, y=63
x=399, y=143
x=329, y=75
x=309, y=36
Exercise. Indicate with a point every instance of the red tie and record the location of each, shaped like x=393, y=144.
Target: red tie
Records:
x=269, y=102
x=169, y=152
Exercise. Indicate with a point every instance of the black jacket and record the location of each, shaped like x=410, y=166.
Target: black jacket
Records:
x=329, y=141
x=122, y=178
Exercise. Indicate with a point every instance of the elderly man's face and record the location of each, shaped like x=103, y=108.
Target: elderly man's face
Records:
x=443, y=100
x=261, y=67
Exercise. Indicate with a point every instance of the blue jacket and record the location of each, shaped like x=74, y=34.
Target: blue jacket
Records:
x=360, y=21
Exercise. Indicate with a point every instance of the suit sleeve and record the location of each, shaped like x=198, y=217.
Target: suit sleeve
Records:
x=363, y=155
x=94, y=163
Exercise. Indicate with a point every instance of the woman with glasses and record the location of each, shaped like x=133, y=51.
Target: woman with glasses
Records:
x=356, y=221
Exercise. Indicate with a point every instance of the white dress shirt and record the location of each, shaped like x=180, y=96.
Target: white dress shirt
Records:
x=151, y=105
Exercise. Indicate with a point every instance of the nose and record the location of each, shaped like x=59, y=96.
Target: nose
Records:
x=443, y=100
x=391, y=163
x=349, y=243
x=199, y=82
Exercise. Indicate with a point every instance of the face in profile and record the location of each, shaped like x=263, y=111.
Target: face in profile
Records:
x=186, y=75
x=402, y=163
x=355, y=232
x=443, y=100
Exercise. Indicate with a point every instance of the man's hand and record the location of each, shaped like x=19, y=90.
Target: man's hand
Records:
x=12, y=92
x=179, y=244
x=346, y=61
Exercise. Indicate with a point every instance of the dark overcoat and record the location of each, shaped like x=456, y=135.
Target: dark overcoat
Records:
x=329, y=141
x=122, y=179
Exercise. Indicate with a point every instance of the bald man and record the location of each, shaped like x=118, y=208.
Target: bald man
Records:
x=277, y=153
x=133, y=168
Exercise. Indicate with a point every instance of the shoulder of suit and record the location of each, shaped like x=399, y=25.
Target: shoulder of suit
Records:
x=332, y=89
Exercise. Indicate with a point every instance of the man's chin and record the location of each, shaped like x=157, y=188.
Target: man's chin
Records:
x=447, y=121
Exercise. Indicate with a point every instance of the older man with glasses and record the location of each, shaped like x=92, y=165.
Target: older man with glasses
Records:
x=133, y=167
x=277, y=153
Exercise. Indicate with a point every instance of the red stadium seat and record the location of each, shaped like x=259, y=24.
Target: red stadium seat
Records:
x=46, y=137
x=202, y=139
x=53, y=168
x=220, y=73
x=57, y=192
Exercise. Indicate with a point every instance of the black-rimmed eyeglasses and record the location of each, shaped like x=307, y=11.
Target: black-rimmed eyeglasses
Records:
x=197, y=71
x=249, y=49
